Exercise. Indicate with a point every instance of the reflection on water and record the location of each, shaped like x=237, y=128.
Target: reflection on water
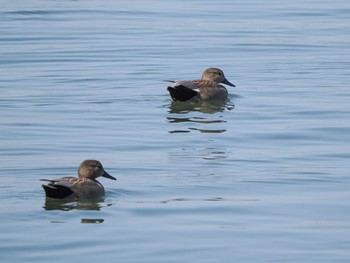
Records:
x=209, y=153
x=193, y=119
x=67, y=205
x=208, y=131
x=92, y=221
x=177, y=111
x=204, y=107
x=83, y=221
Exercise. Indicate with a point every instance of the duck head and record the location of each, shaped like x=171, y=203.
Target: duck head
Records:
x=91, y=169
x=216, y=75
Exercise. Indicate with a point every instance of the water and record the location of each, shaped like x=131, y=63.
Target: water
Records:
x=262, y=178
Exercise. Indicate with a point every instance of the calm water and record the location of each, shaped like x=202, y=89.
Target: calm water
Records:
x=263, y=178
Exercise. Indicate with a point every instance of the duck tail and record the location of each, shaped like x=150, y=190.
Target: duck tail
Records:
x=57, y=191
x=181, y=93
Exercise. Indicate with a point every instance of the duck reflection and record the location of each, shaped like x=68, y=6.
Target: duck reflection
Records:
x=181, y=113
x=92, y=220
x=67, y=205
x=204, y=107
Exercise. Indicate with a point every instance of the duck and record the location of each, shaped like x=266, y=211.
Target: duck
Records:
x=208, y=88
x=85, y=186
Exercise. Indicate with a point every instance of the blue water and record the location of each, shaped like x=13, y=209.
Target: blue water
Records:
x=262, y=178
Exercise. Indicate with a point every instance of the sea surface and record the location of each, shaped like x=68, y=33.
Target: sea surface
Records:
x=263, y=177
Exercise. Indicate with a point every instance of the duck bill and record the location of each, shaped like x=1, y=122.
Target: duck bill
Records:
x=228, y=83
x=107, y=175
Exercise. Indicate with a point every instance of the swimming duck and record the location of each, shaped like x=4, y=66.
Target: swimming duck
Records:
x=84, y=187
x=208, y=88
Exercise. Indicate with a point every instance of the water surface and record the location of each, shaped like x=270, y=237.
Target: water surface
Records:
x=263, y=177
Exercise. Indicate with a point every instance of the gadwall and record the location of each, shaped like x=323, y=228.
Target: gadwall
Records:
x=208, y=88
x=84, y=187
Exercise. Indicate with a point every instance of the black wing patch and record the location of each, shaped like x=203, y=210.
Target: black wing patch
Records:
x=181, y=93
x=57, y=191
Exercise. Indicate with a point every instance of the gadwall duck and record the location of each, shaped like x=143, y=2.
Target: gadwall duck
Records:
x=208, y=88
x=84, y=187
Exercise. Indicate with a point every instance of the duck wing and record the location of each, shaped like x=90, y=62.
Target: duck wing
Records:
x=181, y=93
x=59, y=188
x=182, y=90
x=57, y=191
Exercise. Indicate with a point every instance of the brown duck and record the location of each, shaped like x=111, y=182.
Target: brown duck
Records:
x=208, y=88
x=85, y=186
